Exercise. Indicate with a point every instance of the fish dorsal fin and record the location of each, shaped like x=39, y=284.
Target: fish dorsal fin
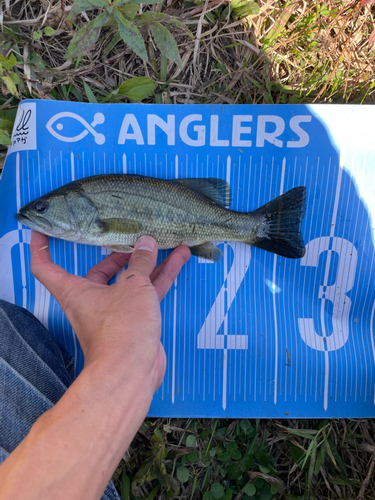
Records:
x=122, y=226
x=217, y=190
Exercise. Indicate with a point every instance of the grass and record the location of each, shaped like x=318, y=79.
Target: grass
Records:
x=283, y=52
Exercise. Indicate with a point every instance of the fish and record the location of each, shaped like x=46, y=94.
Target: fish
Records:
x=114, y=210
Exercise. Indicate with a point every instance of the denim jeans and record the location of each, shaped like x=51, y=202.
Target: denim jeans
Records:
x=35, y=371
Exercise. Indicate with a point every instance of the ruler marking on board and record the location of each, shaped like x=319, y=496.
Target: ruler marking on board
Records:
x=174, y=317
x=75, y=264
x=364, y=303
x=225, y=351
x=371, y=326
x=355, y=354
x=357, y=371
x=294, y=313
x=312, y=211
x=20, y=233
x=325, y=282
x=285, y=309
x=274, y=298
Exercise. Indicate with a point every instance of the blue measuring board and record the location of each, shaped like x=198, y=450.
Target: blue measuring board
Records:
x=255, y=335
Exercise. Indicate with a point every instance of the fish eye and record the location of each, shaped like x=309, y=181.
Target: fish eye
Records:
x=40, y=206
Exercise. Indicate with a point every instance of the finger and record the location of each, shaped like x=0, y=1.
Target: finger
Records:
x=52, y=276
x=155, y=273
x=107, y=268
x=144, y=257
x=169, y=272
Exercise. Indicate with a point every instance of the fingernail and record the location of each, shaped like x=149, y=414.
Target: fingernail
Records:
x=145, y=243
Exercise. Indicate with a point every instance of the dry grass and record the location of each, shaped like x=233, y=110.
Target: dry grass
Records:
x=292, y=51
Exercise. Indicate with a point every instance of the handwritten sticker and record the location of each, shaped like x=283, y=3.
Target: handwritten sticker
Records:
x=24, y=130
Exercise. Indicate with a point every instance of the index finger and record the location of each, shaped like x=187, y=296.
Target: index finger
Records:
x=107, y=268
x=52, y=276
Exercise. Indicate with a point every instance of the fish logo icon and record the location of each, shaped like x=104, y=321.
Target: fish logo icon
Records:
x=89, y=128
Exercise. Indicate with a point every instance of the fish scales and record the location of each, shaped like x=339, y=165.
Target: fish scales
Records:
x=114, y=210
x=170, y=213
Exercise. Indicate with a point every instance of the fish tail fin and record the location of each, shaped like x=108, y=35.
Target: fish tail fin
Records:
x=280, y=224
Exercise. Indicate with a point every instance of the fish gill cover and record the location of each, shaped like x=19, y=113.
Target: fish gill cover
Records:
x=256, y=334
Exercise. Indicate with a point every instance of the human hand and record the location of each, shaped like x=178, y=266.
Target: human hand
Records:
x=119, y=324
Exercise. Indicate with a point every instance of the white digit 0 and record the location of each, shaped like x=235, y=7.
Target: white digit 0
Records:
x=335, y=293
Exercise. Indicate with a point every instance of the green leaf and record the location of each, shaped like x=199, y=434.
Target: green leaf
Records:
x=10, y=85
x=191, y=441
x=15, y=78
x=125, y=486
x=85, y=38
x=235, y=454
x=78, y=7
x=166, y=43
x=173, y=487
x=250, y=489
x=137, y=88
x=308, y=433
x=37, y=35
x=131, y=35
x=244, y=9
x=245, y=425
x=263, y=469
x=217, y=490
x=5, y=62
x=130, y=11
x=49, y=31
x=192, y=457
x=5, y=138
x=182, y=474
x=334, y=455
x=312, y=463
x=151, y=17
x=236, y=469
x=6, y=125
x=152, y=495
x=265, y=495
x=90, y=94
x=224, y=457
x=12, y=59
x=158, y=436
x=228, y=494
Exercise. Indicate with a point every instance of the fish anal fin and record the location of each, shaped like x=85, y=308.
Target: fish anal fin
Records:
x=207, y=251
x=121, y=248
x=119, y=226
x=216, y=190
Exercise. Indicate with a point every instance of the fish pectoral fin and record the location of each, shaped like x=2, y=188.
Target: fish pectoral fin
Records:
x=121, y=248
x=122, y=226
x=207, y=251
x=216, y=190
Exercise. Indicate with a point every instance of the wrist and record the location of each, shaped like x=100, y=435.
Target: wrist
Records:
x=142, y=373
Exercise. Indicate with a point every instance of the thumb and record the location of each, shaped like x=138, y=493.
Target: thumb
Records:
x=143, y=259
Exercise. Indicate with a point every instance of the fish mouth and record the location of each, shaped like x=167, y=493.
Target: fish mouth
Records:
x=41, y=224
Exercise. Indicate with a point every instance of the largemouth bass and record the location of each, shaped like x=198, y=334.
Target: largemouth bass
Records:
x=115, y=210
